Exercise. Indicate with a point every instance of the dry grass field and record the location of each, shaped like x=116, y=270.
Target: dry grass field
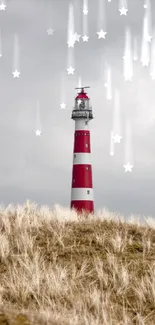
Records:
x=59, y=268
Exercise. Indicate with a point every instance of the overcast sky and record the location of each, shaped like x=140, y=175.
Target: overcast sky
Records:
x=40, y=168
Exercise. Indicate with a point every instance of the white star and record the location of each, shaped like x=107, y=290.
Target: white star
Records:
x=85, y=11
x=50, y=31
x=63, y=105
x=71, y=43
x=109, y=0
x=111, y=153
x=76, y=37
x=16, y=74
x=148, y=38
x=70, y=70
x=135, y=58
x=117, y=138
x=101, y=34
x=123, y=11
x=128, y=167
x=79, y=101
x=38, y=132
x=85, y=38
x=145, y=6
x=2, y=6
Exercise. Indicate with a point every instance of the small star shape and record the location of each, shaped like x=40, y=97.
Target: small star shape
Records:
x=148, y=38
x=85, y=11
x=128, y=167
x=50, y=31
x=70, y=70
x=79, y=101
x=135, y=58
x=63, y=105
x=117, y=138
x=71, y=43
x=77, y=37
x=101, y=34
x=123, y=11
x=111, y=153
x=145, y=6
x=16, y=74
x=85, y=38
x=38, y=133
x=2, y=6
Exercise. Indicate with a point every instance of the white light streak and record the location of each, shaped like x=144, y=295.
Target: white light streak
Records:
x=63, y=91
x=135, y=49
x=38, y=121
x=85, y=27
x=128, y=150
x=116, y=117
x=123, y=7
x=128, y=58
x=101, y=21
x=71, y=34
x=16, y=68
x=111, y=145
x=85, y=7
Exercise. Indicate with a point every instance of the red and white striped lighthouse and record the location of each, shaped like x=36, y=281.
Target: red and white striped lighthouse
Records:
x=82, y=185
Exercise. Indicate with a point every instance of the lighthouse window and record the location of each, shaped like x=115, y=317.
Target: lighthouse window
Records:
x=88, y=192
x=74, y=155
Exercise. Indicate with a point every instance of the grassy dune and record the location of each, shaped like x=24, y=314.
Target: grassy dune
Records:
x=59, y=268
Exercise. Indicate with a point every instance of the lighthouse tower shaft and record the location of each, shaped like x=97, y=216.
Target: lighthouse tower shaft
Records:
x=82, y=183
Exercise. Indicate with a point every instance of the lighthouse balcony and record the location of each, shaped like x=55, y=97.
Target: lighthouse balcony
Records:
x=82, y=114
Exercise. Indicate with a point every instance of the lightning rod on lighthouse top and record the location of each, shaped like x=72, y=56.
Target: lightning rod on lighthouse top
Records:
x=82, y=184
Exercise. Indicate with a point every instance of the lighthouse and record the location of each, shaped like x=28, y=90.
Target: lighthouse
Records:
x=82, y=184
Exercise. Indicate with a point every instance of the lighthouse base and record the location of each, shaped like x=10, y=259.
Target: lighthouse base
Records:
x=81, y=206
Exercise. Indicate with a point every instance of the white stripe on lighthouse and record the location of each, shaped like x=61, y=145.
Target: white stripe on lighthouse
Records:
x=83, y=158
x=84, y=194
x=81, y=125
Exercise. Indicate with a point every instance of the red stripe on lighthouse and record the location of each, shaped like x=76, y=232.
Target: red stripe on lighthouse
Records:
x=82, y=141
x=82, y=176
x=83, y=205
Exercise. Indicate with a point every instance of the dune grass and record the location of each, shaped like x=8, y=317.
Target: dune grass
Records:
x=59, y=268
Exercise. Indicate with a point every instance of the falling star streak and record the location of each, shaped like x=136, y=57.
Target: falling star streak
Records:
x=85, y=36
x=117, y=118
x=128, y=150
x=112, y=145
x=71, y=36
x=152, y=63
x=128, y=57
x=85, y=7
x=145, y=52
x=135, y=49
x=63, y=92
x=16, y=63
x=123, y=7
x=101, y=21
x=0, y=43
x=38, y=121
x=108, y=84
